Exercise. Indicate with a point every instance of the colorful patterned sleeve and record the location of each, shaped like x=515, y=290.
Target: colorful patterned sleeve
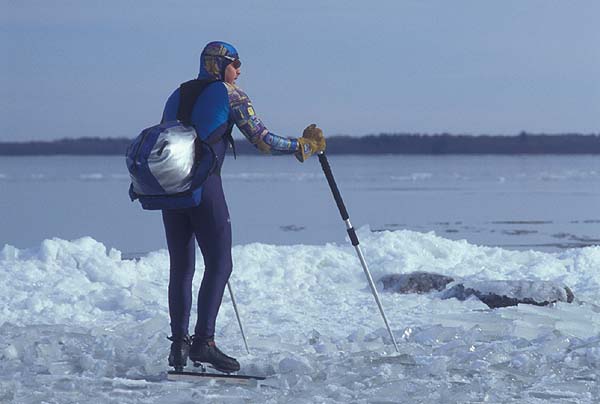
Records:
x=244, y=117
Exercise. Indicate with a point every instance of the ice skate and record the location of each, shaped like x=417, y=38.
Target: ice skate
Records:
x=206, y=352
x=180, y=349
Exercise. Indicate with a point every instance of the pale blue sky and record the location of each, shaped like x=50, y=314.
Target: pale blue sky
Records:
x=105, y=68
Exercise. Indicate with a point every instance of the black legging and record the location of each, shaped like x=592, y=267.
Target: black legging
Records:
x=209, y=224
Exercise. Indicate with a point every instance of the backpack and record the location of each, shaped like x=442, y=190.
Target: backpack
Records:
x=169, y=162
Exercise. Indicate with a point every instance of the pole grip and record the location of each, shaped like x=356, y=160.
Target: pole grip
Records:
x=353, y=236
x=334, y=188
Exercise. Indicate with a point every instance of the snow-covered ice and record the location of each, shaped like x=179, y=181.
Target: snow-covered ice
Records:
x=78, y=323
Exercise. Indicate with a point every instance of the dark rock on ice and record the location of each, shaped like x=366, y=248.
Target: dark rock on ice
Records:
x=497, y=294
x=415, y=282
x=494, y=294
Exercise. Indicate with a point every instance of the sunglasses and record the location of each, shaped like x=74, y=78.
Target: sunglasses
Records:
x=235, y=62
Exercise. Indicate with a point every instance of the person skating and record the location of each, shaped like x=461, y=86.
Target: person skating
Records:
x=220, y=105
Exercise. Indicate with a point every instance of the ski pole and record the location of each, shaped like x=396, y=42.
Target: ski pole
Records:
x=237, y=314
x=353, y=237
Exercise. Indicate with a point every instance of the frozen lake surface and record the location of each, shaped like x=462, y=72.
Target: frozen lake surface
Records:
x=517, y=202
x=80, y=324
x=80, y=321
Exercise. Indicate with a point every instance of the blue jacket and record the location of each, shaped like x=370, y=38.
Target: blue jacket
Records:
x=222, y=105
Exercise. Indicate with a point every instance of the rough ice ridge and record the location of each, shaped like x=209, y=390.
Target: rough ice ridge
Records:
x=79, y=323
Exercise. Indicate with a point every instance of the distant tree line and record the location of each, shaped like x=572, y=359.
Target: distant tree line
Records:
x=524, y=143
x=80, y=146
x=438, y=144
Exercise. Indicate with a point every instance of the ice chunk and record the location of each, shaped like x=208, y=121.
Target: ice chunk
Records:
x=436, y=334
x=65, y=384
x=61, y=367
x=315, y=337
x=9, y=253
x=357, y=335
x=592, y=356
x=9, y=353
x=7, y=391
x=294, y=364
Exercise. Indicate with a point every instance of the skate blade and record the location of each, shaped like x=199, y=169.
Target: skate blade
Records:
x=205, y=365
x=173, y=375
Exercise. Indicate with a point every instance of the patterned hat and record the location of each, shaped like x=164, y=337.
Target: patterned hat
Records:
x=215, y=58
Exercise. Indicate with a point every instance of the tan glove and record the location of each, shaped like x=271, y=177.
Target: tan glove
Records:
x=311, y=142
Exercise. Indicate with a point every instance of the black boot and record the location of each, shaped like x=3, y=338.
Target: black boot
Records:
x=180, y=349
x=205, y=351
